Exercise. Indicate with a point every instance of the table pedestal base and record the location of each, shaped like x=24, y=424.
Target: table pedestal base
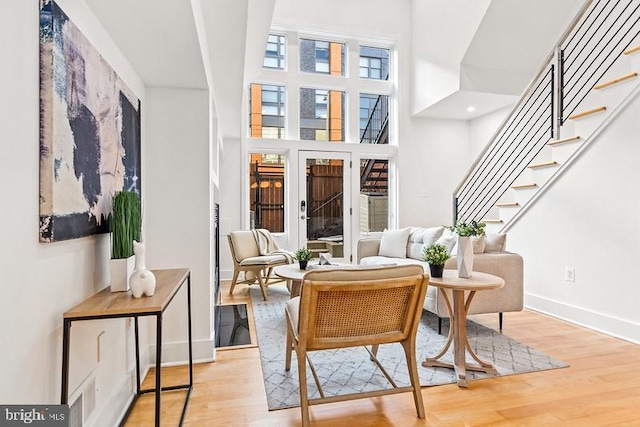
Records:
x=458, y=337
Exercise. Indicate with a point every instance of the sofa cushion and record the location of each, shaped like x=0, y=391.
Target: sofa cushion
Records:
x=387, y=261
x=448, y=239
x=264, y=259
x=495, y=242
x=419, y=237
x=394, y=243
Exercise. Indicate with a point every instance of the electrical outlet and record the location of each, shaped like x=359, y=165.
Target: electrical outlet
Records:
x=570, y=274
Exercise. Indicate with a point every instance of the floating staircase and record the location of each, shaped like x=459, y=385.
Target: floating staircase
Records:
x=549, y=128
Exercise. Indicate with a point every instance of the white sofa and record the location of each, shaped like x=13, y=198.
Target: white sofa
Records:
x=490, y=256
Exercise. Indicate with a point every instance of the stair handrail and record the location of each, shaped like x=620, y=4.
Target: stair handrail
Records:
x=523, y=98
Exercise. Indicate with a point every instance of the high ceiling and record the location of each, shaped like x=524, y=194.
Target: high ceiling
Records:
x=158, y=37
x=218, y=44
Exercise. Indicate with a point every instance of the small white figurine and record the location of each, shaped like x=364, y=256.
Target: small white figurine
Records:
x=142, y=281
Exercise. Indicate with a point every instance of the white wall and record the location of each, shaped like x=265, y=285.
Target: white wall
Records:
x=40, y=281
x=589, y=220
x=178, y=210
x=431, y=163
x=481, y=130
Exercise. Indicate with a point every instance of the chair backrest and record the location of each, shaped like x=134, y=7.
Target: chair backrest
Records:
x=353, y=307
x=243, y=245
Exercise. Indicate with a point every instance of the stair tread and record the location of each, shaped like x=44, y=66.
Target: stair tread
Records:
x=616, y=80
x=587, y=113
x=522, y=186
x=632, y=50
x=507, y=204
x=563, y=140
x=542, y=164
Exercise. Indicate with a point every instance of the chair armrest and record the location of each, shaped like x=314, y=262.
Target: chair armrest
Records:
x=367, y=247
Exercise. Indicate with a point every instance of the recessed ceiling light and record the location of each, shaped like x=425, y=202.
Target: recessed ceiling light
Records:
x=471, y=109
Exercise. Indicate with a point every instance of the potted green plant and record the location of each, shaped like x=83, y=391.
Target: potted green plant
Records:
x=473, y=228
x=464, y=255
x=125, y=220
x=303, y=255
x=435, y=255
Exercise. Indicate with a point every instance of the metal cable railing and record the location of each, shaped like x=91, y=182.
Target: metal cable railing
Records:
x=597, y=37
x=593, y=47
x=528, y=130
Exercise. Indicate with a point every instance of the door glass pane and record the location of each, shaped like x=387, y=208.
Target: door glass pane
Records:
x=374, y=195
x=325, y=202
x=266, y=191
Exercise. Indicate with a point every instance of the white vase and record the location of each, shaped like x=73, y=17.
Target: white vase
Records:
x=119, y=272
x=142, y=281
x=464, y=257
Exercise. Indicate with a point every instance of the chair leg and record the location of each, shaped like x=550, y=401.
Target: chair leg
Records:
x=267, y=275
x=302, y=378
x=263, y=287
x=288, y=346
x=410, y=354
x=233, y=281
x=500, y=321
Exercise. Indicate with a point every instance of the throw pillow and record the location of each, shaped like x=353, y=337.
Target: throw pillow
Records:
x=478, y=243
x=420, y=238
x=394, y=243
x=448, y=239
x=495, y=242
x=432, y=234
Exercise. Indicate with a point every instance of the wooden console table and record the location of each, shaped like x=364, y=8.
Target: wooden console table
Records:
x=458, y=315
x=109, y=305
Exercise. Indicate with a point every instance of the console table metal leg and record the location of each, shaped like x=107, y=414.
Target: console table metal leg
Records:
x=66, y=332
x=190, y=386
x=135, y=323
x=189, y=327
x=158, y=361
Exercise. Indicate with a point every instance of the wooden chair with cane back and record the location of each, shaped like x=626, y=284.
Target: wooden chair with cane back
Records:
x=356, y=307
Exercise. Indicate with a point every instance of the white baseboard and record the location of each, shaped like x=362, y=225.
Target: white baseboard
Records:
x=619, y=328
x=226, y=274
x=177, y=353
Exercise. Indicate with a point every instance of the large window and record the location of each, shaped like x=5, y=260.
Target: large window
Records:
x=267, y=104
x=374, y=195
x=266, y=191
x=274, y=54
x=321, y=115
x=324, y=57
x=374, y=114
x=374, y=63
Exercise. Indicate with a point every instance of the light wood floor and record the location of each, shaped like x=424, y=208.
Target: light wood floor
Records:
x=600, y=388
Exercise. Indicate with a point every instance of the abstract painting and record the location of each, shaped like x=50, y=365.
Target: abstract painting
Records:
x=89, y=132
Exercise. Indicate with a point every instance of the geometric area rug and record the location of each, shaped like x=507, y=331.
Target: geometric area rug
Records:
x=350, y=370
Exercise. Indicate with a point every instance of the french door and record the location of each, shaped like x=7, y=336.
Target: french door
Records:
x=324, y=202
